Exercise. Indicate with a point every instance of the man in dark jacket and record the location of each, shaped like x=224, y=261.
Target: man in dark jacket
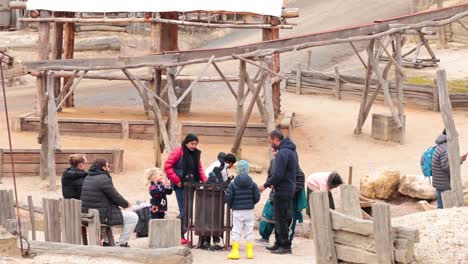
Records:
x=441, y=168
x=99, y=193
x=283, y=181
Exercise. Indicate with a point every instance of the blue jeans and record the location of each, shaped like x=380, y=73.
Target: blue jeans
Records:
x=440, y=204
x=180, y=203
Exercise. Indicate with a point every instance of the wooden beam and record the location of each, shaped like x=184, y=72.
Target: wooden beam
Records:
x=68, y=53
x=52, y=132
x=268, y=99
x=361, y=119
x=240, y=94
x=231, y=89
x=426, y=44
x=385, y=88
x=70, y=91
x=391, y=58
x=398, y=83
x=358, y=55
x=32, y=218
x=290, y=12
x=43, y=55
x=187, y=91
x=251, y=88
x=452, y=142
x=322, y=225
x=298, y=78
x=246, y=117
x=382, y=233
x=173, y=112
x=261, y=67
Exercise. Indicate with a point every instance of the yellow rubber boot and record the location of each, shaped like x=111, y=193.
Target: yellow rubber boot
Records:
x=234, y=252
x=250, y=253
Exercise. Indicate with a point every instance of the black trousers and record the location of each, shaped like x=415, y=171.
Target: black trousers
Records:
x=283, y=218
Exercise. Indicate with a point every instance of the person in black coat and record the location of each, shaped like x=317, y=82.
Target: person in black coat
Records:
x=73, y=177
x=283, y=181
x=99, y=193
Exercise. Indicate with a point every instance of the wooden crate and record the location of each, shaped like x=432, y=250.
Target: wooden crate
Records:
x=385, y=128
x=27, y=161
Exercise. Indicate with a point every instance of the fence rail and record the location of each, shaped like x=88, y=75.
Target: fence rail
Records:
x=424, y=95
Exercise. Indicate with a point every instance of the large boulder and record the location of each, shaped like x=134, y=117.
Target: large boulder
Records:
x=382, y=185
x=417, y=186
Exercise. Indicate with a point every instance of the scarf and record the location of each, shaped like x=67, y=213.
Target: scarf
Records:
x=191, y=159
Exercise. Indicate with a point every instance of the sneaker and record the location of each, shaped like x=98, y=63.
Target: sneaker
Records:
x=282, y=251
x=262, y=241
x=218, y=245
x=273, y=248
x=183, y=241
x=106, y=244
x=124, y=245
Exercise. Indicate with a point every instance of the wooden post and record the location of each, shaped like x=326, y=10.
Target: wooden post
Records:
x=398, y=84
x=125, y=129
x=68, y=53
x=43, y=49
x=52, y=230
x=350, y=175
x=240, y=99
x=362, y=108
x=309, y=60
x=72, y=221
x=382, y=233
x=273, y=34
x=32, y=217
x=322, y=227
x=169, y=35
x=442, y=33
x=350, y=204
x=173, y=113
x=94, y=228
x=57, y=49
x=456, y=199
x=435, y=94
x=52, y=129
x=7, y=210
x=164, y=233
x=338, y=84
x=268, y=99
x=298, y=78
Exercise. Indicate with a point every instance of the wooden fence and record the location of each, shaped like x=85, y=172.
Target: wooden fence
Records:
x=349, y=238
x=28, y=161
x=211, y=132
x=346, y=86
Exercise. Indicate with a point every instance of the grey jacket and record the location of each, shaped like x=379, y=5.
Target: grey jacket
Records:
x=440, y=165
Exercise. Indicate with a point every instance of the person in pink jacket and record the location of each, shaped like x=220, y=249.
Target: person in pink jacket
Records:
x=323, y=181
x=182, y=165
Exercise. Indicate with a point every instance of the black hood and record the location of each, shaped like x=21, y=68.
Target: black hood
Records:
x=243, y=180
x=287, y=143
x=96, y=171
x=74, y=173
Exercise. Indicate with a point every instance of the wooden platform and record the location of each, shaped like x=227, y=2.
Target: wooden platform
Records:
x=27, y=161
x=209, y=132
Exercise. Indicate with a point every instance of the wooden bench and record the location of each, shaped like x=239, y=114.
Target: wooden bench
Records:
x=27, y=161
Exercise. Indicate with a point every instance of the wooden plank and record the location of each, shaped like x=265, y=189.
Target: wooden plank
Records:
x=298, y=79
x=94, y=228
x=354, y=240
x=355, y=255
x=176, y=255
x=52, y=227
x=350, y=204
x=322, y=228
x=382, y=233
x=164, y=233
x=6, y=205
x=452, y=142
x=351, y=224
x=125, y=129
x=32, y=217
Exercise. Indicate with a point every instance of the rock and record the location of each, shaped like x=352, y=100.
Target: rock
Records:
x=382, y=187
x=8, y=246
x=417, y=186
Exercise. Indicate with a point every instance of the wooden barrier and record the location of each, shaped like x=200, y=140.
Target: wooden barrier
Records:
x=7, y=210
x=356, y=240
x=210, y=132
x=164, y=233
x=70, y=219
x=27, y=161
x=425, y=96
x=52, y=225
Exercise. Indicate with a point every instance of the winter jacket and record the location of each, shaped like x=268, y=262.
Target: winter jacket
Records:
x=242, y=193
x=72, y=181
x=283, y=178
x=440, y=165
x=159, y=194
x=174, y=167
x=99, y=193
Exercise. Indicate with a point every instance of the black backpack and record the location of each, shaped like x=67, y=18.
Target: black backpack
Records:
x=144, y=216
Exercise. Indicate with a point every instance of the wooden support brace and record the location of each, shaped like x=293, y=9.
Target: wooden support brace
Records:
x=338, y=84
x=160, y=123
x=231, y=89
x=32, y=217
x=164, y=90
x=261, y=67
x=173, y=112
x=361, y=119
x=70, y=91
x=358, y=55
x=140, y=86
x=260, y=106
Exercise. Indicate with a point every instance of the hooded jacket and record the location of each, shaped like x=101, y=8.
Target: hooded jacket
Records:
x=99, y=193
x=283, y=177
x=72, y=182
x=242, y=193
x=440, y=165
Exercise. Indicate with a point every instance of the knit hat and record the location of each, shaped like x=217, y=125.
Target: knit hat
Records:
x=243, y=167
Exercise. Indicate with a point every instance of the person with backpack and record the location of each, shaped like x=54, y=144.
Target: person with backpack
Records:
x=184, y=165
x=440, y=167
x=241, y=195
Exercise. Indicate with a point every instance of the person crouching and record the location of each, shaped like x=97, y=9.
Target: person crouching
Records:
x=241, y=195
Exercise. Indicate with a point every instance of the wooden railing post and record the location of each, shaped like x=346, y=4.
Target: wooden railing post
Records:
x=325, y=252
x=382, y=233
x=350, y=204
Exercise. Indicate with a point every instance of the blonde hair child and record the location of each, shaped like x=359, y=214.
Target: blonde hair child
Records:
x=159, y=188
